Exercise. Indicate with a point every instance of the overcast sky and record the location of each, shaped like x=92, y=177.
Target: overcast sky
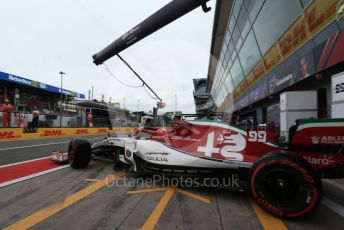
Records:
x=39, y=38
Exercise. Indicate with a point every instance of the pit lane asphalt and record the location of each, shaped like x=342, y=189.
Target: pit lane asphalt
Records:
x=23, y=150
x=111, y=207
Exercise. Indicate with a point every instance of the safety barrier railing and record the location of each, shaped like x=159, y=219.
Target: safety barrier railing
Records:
x=26, y=120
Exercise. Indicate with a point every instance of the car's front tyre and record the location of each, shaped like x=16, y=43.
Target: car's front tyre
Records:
x=116, y=162
x=79, y=153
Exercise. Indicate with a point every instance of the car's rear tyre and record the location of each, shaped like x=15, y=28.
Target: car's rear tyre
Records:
x=79, y=153
x=285, y=185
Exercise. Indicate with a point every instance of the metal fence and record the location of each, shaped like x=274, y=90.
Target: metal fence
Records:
x=24, y=120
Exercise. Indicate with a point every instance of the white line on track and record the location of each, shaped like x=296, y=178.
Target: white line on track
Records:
x=30, y=146
x=32, y=176
x=22, y=162
x=337, y=208
x=334, y=184
x=54, y=143
x=57, y=137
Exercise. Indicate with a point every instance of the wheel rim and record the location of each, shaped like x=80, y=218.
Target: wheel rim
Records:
x=285, y=188
x=282, y=186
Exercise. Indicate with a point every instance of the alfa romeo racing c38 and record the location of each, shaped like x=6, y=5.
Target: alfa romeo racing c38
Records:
x=284, y=179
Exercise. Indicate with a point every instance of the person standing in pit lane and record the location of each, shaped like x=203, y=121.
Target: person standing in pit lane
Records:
x=35, y=118
x=6, y=109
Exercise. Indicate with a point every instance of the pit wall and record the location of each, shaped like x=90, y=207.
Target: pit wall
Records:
x=7, y=134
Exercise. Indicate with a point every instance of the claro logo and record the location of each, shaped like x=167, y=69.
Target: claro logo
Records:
x=6, y=135
x=52, y=133
x=326, y=160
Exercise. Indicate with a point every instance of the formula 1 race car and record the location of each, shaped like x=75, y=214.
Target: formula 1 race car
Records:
x=283, y=179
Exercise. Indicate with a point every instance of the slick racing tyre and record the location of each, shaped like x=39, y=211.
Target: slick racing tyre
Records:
x=285, y=185
x=115, y=160
x=79, y=153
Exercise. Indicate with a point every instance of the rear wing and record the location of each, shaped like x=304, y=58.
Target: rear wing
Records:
x=164, y=16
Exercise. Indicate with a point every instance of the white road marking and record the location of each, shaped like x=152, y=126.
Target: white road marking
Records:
x=32, y=176
x=30, y=146
x=337, y=208
x=57, y=137
x=54, y=143
x=334, y=184
x=22, y=162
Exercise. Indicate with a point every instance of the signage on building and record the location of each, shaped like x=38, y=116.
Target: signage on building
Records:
x=258, y=92
x=307, y=61
x=243, y=102
x=36, y=84
x=69, y=107
x=318, y=15
x=281, y=78
x=18, y=80
x=338, y=88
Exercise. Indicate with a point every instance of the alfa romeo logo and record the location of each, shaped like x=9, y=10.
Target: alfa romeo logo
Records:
x=315, y=140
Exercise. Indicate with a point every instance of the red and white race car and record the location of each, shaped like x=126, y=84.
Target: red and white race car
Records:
x=284, y=180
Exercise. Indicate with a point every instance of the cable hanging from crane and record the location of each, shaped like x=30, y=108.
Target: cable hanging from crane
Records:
x=138, y=76
x=147, y=92
x=144, y=84
x=117, y=79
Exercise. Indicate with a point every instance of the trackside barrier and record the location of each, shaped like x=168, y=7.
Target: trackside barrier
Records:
x=7, y=134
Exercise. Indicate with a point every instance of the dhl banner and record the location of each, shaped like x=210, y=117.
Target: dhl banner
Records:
x=48, y=132
x=319, y=14
x=7, y=134
x=273, y=73
x=10, y=134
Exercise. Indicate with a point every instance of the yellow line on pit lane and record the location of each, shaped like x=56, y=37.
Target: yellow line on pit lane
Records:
x=192, y=195
x=158, y=210
x=146, y=190
x=267, y=221
x=47, y=212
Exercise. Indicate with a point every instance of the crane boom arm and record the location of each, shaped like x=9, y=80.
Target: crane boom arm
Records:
x=164, y=16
